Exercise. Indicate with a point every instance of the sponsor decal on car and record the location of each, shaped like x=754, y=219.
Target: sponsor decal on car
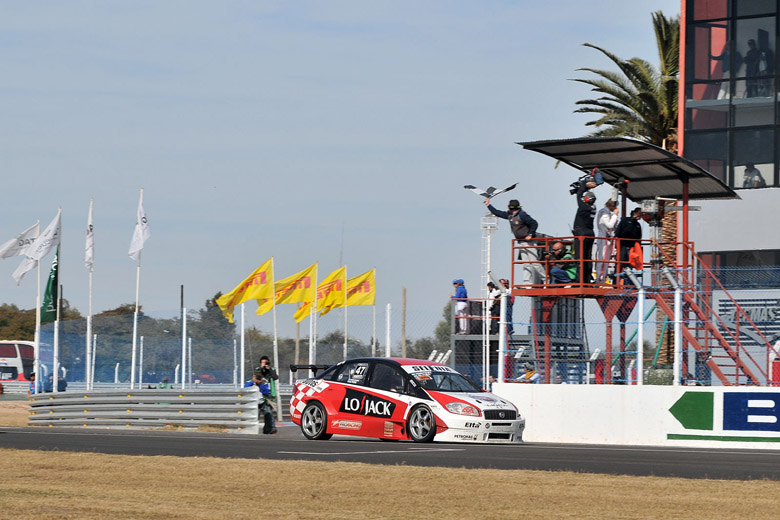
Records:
x=388, y=429
x=346, y=425
x=428, y=368
x=462, y=437
x=473, y=425
x=361, y=403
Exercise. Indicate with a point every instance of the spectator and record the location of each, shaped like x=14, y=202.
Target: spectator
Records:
x=164, y=384
x=461, y=305
x=265, y=377
x=561, y=272
x=753, y=177
x=62, y=385
x=629, y=232
x=510, y=302
x=494, y=301
x=531, y=376
x=606, y=221
x=524, y=229
x=34, y=388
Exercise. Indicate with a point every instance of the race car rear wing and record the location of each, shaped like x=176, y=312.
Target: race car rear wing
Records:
x=313, y=368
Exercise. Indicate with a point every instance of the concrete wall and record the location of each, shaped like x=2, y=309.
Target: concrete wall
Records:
x=721, y=417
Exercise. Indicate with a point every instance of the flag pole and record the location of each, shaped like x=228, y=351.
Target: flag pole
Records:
x=37, y=362
x=243, y=345
x=276, y=362
x=56, y=356
x=89, y=258
x=313, y=325
x=135, y=314
x=345, y=312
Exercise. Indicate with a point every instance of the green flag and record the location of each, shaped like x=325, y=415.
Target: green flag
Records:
x=49, y=305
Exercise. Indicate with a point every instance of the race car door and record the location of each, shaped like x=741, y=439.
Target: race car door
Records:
x=389, y=402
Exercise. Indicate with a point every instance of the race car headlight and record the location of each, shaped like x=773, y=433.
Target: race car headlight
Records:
x=463, y=409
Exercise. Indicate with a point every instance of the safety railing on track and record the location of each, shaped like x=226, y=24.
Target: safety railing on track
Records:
x=234, y=409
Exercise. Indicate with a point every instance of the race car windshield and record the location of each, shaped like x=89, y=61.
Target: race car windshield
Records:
x=445, y=382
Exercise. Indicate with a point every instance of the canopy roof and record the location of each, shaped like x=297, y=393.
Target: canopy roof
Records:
x=652, y=171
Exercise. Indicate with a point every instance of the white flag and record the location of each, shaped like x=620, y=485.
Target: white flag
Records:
x=26, y=265
x=46, y=241
x=16, y=245
x=141, y=233
x=89, y=251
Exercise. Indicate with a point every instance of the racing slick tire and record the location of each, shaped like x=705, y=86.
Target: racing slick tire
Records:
x=314, y=422
x=422, y=424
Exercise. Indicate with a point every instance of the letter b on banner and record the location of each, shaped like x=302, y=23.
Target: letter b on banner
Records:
x=751, y=411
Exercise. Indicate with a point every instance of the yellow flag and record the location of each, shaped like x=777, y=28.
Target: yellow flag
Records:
x=258, y=285
x=302, y=311
x=330, y=293
x=297, y=288
x=361, y=290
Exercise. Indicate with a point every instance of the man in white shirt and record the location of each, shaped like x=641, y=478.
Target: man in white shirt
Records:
x=606, y=221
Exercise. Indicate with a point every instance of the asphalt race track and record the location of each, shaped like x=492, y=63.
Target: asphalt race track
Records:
x=290, y=444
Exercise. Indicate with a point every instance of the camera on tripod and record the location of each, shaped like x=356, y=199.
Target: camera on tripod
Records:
x=593, y=176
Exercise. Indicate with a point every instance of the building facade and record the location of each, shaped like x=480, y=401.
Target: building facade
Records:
x=730, y=126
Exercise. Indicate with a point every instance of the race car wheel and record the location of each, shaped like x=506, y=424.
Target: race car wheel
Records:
x=422, y=424
x=314, y=421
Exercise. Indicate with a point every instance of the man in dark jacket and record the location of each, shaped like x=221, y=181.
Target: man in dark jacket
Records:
x=629, y=232
x=524, y=229
x=583, y=225
x=265, y=378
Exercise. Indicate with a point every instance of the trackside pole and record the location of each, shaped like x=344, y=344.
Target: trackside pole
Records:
x=243, y=349
x=502, y=337
x=183, y=345
x=387, y=330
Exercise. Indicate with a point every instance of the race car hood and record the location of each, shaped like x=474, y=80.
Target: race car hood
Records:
x=482, y=400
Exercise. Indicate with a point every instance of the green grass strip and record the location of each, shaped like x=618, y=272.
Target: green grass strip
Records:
x=724, y=438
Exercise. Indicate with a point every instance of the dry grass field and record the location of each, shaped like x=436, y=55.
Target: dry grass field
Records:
x=61, y=485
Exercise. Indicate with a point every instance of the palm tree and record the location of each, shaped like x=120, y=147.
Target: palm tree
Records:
x=640, y=102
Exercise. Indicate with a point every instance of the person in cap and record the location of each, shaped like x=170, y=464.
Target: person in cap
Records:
x=523, y=227
x=461, y=305
x=583, y=225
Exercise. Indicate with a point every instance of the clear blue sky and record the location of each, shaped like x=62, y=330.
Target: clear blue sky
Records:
x=307, y=131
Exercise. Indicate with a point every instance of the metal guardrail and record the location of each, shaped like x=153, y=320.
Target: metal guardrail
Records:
x=15, y=387
x=232, y=408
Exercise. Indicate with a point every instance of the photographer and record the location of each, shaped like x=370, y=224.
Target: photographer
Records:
x=265, y=378
x=561, y=272
x=583, y=222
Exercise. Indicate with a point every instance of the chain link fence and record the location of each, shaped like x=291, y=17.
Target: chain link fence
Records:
x=213, y=345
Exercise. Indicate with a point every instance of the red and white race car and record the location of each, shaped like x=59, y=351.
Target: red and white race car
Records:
x=400, y=399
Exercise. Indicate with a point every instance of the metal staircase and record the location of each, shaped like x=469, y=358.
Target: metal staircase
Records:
x=734, y=350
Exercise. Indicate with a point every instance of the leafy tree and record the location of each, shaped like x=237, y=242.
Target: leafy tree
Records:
x=211, y=323
x=641, y=100
x=17, y=323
